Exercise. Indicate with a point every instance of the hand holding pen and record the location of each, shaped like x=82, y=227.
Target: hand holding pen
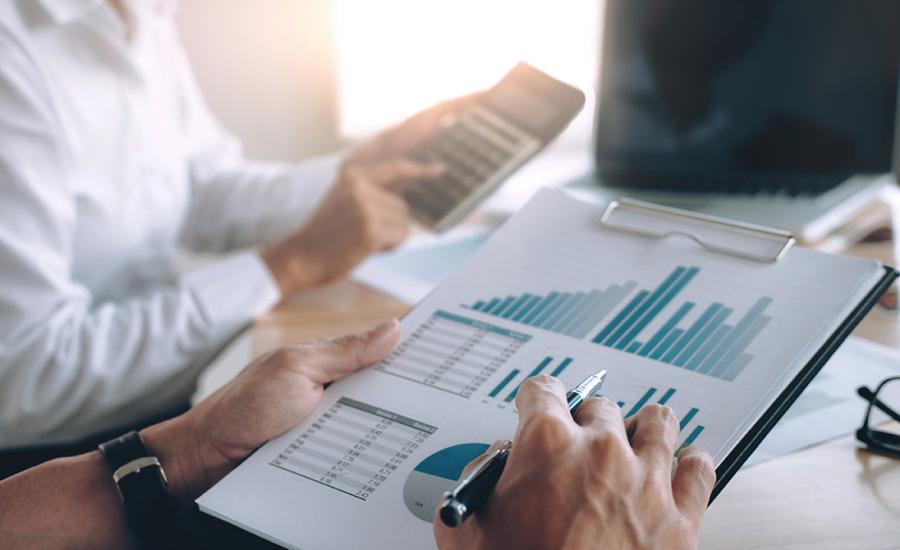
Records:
x=589, y=480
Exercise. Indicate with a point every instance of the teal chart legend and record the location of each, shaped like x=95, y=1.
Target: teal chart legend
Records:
x=711, y=345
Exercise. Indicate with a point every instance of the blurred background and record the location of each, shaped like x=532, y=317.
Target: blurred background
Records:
x=294, y=78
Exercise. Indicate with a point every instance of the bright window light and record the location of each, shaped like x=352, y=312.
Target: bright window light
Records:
x=397, y=57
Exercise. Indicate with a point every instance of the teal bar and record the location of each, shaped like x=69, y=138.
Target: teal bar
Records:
x=707, y=331
x=692, y=437
x=560, y=300
x=562, y=366
x=639, y=313
x=524, y=311
x=490, y=305
x=564, y=315
x=516, y=305
x=687, y=418
x=503, y=305
x=478, y=305
x=621, y=404
x=620, y=317
x=654, y=310
x=609, y=300
x=744, y=340
x=540, y=307
x=737, y=367
x=741, y=328
x=581, y=311
x=501, y=385
x=700, y=361
x=551, y=315
x=634, y=347
x=689, y=335
x=667, y=343
x=536, y=371
x=664, y=331
x=669, y=393
x=641, y=402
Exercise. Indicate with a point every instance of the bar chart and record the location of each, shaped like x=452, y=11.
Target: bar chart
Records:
x=453, y=353
x=570, y=313
x=545, y=365
x=710, y=345
x=663, y=399
x=353, y=447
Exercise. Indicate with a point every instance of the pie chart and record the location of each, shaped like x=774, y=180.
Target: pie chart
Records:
x=436, y=474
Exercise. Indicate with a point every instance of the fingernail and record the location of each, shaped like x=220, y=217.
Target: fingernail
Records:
x=384, y=327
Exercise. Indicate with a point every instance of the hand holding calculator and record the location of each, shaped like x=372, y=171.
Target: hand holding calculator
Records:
x=488, y=140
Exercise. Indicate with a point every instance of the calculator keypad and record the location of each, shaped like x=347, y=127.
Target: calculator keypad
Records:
x=478, y=149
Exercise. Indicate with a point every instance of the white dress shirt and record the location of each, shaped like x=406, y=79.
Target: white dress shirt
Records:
x=109, y=160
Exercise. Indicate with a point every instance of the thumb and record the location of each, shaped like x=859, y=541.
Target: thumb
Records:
x=348, y=354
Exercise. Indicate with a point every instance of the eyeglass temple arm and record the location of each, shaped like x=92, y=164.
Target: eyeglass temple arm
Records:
x=867, y=394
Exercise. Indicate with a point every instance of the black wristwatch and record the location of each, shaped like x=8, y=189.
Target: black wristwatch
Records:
x=150, y=507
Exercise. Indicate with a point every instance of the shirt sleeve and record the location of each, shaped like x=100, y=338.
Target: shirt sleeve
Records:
x=237, y=202
x=70, y=365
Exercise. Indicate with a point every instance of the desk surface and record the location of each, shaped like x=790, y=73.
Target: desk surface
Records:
x=828, y=496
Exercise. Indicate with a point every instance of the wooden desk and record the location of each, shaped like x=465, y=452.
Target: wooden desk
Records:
x=828, y=496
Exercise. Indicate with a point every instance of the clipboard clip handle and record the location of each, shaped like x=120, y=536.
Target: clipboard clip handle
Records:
x=733, y=238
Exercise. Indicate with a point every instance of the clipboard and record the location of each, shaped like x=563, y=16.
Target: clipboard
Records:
x=746, y=242
x=761, y=244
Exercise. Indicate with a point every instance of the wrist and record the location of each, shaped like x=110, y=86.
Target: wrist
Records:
x=190, y=468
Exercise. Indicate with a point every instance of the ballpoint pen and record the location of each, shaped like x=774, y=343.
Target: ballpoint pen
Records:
x=475, y=488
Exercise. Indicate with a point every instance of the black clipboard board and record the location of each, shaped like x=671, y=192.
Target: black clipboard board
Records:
x=207, y=531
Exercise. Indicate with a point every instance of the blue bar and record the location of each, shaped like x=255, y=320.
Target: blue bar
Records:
x=516, y=305
x=689, y=335
x=549, y=310
x=562, y=366
x=654, y=310
x=669, y=393
x=540, y=307
x=620, y=317
x=477, y=306
x=564, y=315
x=707, y=331
x=490, y=305
x=501, y=385
x=634, y=347
x=737, y=367
x=503, y=305
x=700, y=361
x=531, y=303
x=536, y=371
x=743, y=326
x=626, y=327
x=670, y=324
x=687, y=418
x=552, y=313
x=690, y=439
x=580, y=311
x=667, y=343
x=641, y=402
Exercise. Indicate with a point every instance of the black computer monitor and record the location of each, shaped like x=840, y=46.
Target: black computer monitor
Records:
x=739, y=96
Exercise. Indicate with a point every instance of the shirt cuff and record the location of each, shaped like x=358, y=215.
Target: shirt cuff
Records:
x=234, y=291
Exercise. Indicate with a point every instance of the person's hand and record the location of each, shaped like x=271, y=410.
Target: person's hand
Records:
x=272, y=395
x=592, y=482
x=362, y=213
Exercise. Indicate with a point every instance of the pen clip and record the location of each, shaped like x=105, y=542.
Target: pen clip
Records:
x=480, y=467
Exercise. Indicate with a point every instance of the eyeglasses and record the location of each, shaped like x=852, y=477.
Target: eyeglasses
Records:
x=877, y=413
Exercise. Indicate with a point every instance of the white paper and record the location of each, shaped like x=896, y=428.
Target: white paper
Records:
x=829, y=406
x=368, y=466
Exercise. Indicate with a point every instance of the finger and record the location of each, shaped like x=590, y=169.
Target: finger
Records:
x=397, y=174
x=653, y=434
x=545, y=424
x=348, y=354
x=601, y=415
x=695, y=477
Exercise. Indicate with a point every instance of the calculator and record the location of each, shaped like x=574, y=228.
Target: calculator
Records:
x=487, y=141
